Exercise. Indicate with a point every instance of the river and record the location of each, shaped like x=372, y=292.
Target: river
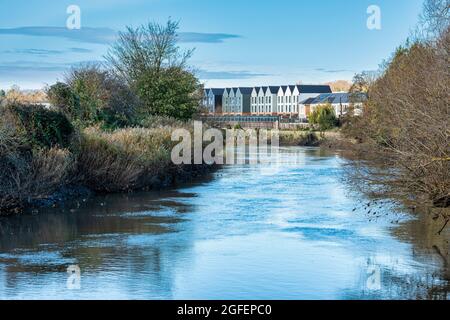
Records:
x=287, y=230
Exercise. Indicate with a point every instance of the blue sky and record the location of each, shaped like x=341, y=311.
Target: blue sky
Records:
x=238, y=42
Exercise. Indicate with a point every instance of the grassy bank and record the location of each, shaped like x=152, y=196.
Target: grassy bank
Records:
x=333, y=139
x=44, y=159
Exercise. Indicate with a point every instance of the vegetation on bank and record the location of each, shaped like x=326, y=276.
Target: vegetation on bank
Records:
x=109, y=127
x=323, y=117
x=404, y=132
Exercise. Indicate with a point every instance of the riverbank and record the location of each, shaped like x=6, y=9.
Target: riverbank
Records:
x=175, y=176
x=45, y=160
x=332, y=139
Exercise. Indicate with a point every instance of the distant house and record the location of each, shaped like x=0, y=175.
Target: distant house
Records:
x=254, y=101
x=226, y=101
x=266, y=100
x=271, y=98
x=213, y=101
x=205, y=98
x=243, y=97
x=290, y=96
x=260, y=101
x=237, y=100
x=341, y=103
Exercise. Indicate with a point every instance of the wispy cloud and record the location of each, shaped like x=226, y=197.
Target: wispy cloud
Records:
x=332, y=70
x=206, y=37
x=106, y=35
x=222, y=75
x=45, y=52
x=32, y=67
x=88, y=35
x=80, y=50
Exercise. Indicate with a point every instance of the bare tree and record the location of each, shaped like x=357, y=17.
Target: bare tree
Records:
x=435, y=17
x=405, y=128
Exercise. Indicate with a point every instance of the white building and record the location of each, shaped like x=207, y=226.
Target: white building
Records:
x=288, y=97
x=271, y=100
x=213, y=100
x=237, y=100
x=341, y=103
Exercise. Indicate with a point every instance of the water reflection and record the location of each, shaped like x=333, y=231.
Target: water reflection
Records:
x=285, y=230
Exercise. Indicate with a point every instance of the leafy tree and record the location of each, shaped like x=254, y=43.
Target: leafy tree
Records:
x=62, y=97
x=173, y=93
x=324, y=116
x=92, y=95
x=149, y=59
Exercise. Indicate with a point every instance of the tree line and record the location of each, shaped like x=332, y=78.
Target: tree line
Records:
x=404, y=131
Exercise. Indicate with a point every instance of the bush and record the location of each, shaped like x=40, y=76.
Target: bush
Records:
x=62, y=96
x=26, y=173
x=324, y=116
x=41, y=127
x=94, y=96
x=153, y=122
x=125, y=159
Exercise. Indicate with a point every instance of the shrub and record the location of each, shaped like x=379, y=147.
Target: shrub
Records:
x=40, y=126
x=15, y=159
x=51, y=169
x=27, y=174
x=152, y=122
x=103, y=97
x=124, y=159
x=62, y=96
x=324, y=116
x=94, y=96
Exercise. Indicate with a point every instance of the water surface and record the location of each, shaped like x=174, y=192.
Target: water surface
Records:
x=290, y=230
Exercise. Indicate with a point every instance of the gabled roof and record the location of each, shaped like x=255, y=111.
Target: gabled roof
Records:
x=245, y=90
x=217, y=91
x=264, y=89
x=284, y=88
x=314, y=88
x=274, y=89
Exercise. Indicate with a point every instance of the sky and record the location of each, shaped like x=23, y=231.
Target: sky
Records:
x=237, y=42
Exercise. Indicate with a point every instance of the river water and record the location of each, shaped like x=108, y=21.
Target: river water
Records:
x=287, y=230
